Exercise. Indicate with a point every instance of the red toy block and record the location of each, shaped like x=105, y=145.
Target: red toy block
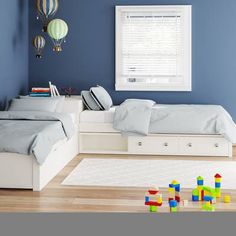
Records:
x=218, y=176
x=170, y=199
x=152, y=192
x=177, y=198
x=202, y=195
x=153, y=204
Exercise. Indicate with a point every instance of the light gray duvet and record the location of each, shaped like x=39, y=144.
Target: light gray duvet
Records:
x=33, y=132
x=142, y=118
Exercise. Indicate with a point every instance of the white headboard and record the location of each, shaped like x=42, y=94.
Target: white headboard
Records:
x=73, y=104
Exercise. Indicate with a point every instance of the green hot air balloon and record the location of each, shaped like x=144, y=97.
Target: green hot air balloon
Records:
x=57, y=30
x=46, y=11
x=39, y=43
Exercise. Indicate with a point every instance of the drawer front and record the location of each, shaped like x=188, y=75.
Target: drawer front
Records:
x=203, y=146
x=153, y=145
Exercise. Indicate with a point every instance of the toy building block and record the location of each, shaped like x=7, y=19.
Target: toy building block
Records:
x=147, y=198
x=200, y=181
x=218, y=193
x=153, y=209
x=227, y=199
x=218, y=185
x=208, y=207
x=173, y=205
x=195, y=195
x=153, y=190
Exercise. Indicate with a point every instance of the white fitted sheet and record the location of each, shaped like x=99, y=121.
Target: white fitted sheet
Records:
x=97, y=116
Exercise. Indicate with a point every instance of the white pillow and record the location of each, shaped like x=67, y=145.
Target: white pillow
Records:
x=60, y=101
x=33, y=105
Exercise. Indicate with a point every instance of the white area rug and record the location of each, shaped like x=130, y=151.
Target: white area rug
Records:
x=147, y=173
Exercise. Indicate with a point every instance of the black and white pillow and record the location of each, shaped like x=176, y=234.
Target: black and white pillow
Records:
x=89, y=102
x=101, y=97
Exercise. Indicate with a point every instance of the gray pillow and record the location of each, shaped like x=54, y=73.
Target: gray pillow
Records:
x=101, y=97
x=60, y=101
x=33, y=105
x=89, y=101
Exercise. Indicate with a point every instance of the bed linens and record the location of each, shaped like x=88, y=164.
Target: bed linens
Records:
x=129, y=118
x=33, y=132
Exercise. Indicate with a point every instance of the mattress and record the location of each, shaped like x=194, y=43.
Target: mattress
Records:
x=97, y=116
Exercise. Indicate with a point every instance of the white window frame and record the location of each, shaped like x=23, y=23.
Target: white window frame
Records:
x=186, y=12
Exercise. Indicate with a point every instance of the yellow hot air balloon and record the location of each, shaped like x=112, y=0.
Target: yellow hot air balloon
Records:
x=46, y=10
x=39, y=43
x=57, y=30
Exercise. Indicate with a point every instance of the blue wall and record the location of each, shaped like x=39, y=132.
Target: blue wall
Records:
x=88, y=58
x=13, y=49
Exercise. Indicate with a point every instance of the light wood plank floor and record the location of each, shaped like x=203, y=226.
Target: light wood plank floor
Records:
x=58, y=198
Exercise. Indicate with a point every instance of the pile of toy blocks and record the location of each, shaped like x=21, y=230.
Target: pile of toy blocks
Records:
x=153, y=199
x=174, y=191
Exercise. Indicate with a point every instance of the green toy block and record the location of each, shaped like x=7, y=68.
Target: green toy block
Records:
x=212, y=191
x=173, y=209
x=207, y=207
x=153, y=208
x=195, y=192
x=200, y=178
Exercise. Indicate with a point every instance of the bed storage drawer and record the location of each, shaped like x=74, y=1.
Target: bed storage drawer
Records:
x=153, y=145
x=103, y=143
x=159, y=144
x=204, y=146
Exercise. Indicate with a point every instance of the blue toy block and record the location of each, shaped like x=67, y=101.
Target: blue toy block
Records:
x=171, y=186
x=173, y=203
x=217, y=185
x=177, y=188
x=207, y=198
x=195, y=198
x=147, y=199
x=200, y=182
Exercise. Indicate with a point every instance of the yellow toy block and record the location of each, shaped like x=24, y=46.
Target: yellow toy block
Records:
x=199, y=188
x=218, y=195
x=174, y=182
x=227, y=199
x=171, y=190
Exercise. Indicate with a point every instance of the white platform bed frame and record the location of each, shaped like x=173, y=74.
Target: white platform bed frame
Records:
x=23, y=172
x=101, y=138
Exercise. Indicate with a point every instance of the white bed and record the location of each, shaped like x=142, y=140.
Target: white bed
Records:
x=21, y=171
x=98, y=136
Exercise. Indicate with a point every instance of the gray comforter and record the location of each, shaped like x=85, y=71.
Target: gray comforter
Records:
x=143, y=117
x=33, y=132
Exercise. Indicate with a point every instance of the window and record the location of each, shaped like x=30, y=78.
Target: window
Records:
x=153, y=48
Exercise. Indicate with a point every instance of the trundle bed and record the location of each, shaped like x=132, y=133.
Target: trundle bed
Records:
x=24, y=172
x=97, y=135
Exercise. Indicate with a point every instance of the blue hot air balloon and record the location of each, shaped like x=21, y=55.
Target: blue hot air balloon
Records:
x=46, y=10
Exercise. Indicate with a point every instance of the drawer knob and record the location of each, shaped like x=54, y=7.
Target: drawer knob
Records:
x=216, y=145
x=166, y=144
x=190, y=145
x=140, y=144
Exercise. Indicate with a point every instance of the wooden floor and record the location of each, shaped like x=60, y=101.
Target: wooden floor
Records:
x=58, y=198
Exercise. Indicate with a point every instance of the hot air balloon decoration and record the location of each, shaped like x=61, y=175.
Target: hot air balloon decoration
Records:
x=39, y=43
x=46, y=11
x=57, y=30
